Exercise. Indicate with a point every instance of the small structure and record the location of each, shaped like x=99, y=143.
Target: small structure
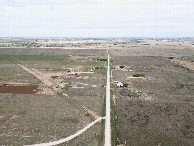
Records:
x=137, y=75
x=70, y=72
x=150, y=78
x=2, y=84
x=76, y=75
x=122, y=66
x=74, y=84
x=125, y=92
x=62, y=86
x=113, y=68
x=54, y=86
x=91, y=70
x=170, y=57
x=119, y=84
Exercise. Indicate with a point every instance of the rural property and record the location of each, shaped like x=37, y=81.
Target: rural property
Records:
x=125, y=92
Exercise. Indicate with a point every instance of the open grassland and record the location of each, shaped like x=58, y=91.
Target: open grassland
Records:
x=159, y=111
x=13, y=74
x=153, y=123
x=51, y=51
x=30, y=119
x=91, y=137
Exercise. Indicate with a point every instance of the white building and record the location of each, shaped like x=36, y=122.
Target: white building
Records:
x=119, y=84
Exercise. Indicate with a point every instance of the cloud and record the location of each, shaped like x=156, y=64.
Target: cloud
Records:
x=96, y=17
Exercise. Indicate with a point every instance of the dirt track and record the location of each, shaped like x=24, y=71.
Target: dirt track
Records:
x=40, y=77
x=71, y=136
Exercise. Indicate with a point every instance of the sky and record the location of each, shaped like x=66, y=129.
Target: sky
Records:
x=96, y=18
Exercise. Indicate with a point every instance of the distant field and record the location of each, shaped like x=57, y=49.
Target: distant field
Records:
x=32, y=58
x=53, y=51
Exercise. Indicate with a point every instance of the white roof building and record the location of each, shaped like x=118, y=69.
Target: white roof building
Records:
x=119, y=84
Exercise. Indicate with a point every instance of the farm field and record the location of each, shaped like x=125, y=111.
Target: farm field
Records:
x=39, y=102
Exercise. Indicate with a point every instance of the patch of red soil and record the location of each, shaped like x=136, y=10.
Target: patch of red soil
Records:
x=19, y=89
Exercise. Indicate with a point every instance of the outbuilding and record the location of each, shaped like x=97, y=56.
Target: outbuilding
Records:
x=119, y=84
x=170, y=57
x=74, y=84
x=122, y=66
x=137, y=75
x=125, y=92
x=150, y=78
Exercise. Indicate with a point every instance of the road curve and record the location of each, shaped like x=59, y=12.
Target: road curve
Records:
x=107, y=122
x=69, y=137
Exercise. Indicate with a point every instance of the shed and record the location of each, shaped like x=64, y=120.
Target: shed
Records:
x=150, y=78
x=137, y=75
x=119, y=84
x=125, y=92
x=74, y=84
x=70, y=72
x=54, y=86
x=122, y=66
x=113, y=68
x=170, y=57
x=2, y=84
x=62, y=85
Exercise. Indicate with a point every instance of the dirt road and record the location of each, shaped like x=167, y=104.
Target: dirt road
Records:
x=69, y=137
x=107, y=122
x=40, y=77
x=47, y=90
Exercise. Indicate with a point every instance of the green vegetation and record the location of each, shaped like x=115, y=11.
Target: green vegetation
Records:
x=32, y=59
x=4, y=59
x=125, y=85
x=13, y=42
x=143, y=75
x=102, y=67
x=87, y=69
x=66, y=88
x=39, y=57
